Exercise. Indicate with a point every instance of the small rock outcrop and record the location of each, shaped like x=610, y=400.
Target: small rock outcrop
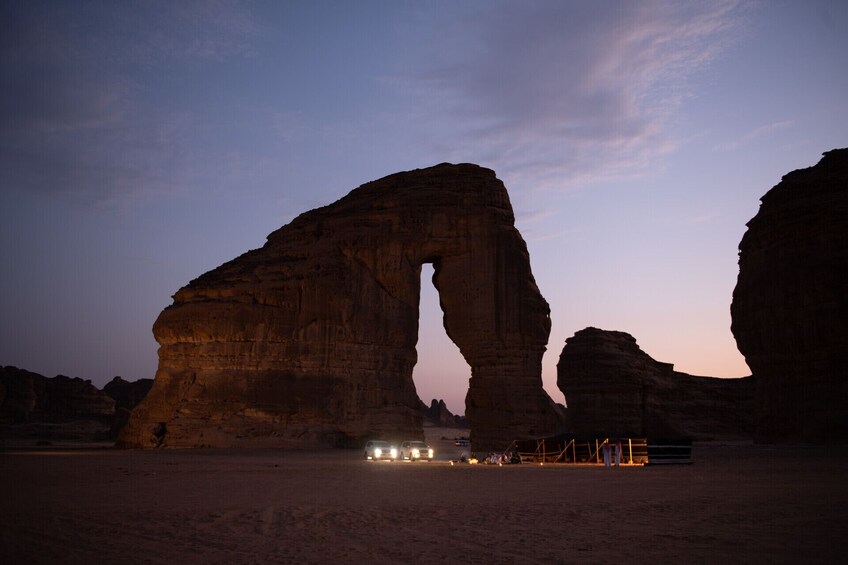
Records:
x=310, y=340
x=790, y=305
x=127, y=395
x=614, y=389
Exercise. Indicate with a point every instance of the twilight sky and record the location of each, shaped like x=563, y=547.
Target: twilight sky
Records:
x=144, y=143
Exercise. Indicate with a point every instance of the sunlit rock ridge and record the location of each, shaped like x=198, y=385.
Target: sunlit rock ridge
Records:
x=310, y=340
x=790, y=304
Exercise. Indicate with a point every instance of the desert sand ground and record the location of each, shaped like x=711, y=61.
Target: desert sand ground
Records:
x=734, y=504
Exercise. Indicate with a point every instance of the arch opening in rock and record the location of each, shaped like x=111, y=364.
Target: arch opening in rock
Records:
x=441, y=374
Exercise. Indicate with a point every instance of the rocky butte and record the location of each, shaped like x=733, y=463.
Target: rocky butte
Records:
x=614, y=389
x=790, y=304
x=310, y=340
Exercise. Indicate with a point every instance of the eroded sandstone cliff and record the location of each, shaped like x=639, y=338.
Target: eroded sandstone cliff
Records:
x=614, y=389
x=310, y=340
x=790, y=304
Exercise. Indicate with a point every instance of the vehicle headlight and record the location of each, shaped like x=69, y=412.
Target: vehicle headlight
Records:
x=430, y=453
x=377, y=452
x=394, y=453
x=416, y=453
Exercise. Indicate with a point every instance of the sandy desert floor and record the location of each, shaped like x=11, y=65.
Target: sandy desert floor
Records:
x=734, y=504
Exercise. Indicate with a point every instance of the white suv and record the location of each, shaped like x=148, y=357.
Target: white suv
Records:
x=377, y=449
x=416, y=451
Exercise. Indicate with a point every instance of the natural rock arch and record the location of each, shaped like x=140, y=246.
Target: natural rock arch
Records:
x=310, y=340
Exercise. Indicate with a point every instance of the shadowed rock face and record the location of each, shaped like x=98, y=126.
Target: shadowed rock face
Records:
x=310, y=340
x=614, y=389
x=790, y=304
x=29, y=397
x=126, y=395
x=33, y=407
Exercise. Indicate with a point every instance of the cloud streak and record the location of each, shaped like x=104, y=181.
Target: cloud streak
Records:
x=753, y=135
x=75, y=117
x=550, y=94
x=574, y=92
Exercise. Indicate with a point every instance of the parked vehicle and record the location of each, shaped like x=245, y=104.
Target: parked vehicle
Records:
x=378, y=449
x=416, y=451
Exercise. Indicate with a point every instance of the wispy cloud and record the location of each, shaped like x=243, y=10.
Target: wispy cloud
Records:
x=532, y=216
x=75, y=117
x=570, y=92
x=564, y=235
x=549, y=94
x=753, y=135
x=699, y=219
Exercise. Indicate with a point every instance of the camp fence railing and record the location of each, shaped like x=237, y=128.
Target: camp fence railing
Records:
x=581, y=450
x=543, y=451
x=669, y=451
x=633, y=450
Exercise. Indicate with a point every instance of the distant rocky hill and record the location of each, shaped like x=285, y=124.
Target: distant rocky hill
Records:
x=615, y=389
x=438, y=414
x=790, y=305
x=34, y=407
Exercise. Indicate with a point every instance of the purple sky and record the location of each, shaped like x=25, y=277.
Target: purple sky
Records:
x=144, y=143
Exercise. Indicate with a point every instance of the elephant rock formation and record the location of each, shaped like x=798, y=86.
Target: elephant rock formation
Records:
x=310, y=340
